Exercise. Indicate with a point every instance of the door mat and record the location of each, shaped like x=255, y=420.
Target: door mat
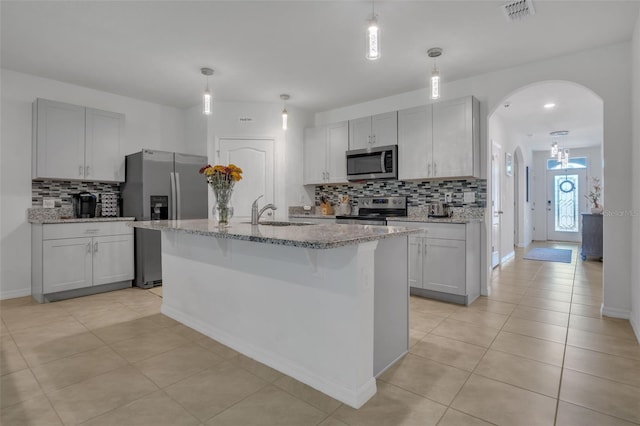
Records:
x=549, y=255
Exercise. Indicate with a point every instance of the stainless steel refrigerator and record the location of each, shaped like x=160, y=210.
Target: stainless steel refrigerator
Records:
x=161, y=185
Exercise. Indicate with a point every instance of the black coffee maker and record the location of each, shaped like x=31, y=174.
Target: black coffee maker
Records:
x=84, y=205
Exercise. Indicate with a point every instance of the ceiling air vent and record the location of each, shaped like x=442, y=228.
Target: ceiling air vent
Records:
x=518, y=9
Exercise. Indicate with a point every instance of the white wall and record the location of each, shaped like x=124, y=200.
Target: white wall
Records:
x=540, y=185
x=504, y=136
x=195, y=131
x=635, y=254
x=148, y=125
x=609, y=77
x=266, y=123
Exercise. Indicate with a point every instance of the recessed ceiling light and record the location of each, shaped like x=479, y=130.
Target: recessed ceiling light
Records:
x=550, y=105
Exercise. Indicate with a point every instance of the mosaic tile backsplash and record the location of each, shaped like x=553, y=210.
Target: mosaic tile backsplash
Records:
x=417, y=193
x=64, y=190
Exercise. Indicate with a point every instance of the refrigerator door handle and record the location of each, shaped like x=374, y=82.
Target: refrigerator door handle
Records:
x=173, y=196
x=178, y=191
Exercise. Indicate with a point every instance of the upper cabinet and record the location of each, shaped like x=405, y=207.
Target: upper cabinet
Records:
x=324, y=154
x=377, y=130
x=441, y=140
x=415, y=143
x=76, y=143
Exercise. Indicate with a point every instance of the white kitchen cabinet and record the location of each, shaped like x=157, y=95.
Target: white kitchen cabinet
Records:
x=440, y=140
x=444, y=261
x=324, y=154
x=377, y=130
x=456, y=138
x=415, y=143
x=58, y=255
x=104, y=134
x=75, y=259
x=76, y=143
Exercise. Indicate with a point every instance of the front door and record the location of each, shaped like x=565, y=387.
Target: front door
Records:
x=255, y=157
x=564, y=203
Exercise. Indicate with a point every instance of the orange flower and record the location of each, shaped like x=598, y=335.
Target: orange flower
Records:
x=236, y=176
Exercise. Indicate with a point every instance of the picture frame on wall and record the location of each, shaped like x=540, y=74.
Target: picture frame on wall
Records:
x=508, y=164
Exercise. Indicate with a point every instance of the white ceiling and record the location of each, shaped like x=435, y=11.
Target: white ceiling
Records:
x=313, y=50
x=577, y=110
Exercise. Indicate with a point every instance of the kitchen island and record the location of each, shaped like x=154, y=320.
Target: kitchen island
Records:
x=325, y=304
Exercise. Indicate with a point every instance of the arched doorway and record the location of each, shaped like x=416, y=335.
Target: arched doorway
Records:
x=523, y=125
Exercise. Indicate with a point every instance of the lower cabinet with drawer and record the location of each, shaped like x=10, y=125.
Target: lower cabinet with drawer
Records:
x=76, y=259
x=444, y=260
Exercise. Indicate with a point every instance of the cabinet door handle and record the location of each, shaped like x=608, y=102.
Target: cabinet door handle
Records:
x=419, y=248
x=80, y=169
x=328, y=175
x=374, y=139
x=429, y=170
x=87, y=169
x=434, y=169
x=88, y=247
x=95, y=247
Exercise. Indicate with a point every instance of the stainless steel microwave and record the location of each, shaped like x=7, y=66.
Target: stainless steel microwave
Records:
x=373, y=163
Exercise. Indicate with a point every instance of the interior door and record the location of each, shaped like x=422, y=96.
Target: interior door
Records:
x=256, y=159
x=191, y=186
x=496, y=204
x=565, y=201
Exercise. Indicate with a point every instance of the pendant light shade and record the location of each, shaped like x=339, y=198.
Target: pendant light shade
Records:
x=372, y=37
x=285, y=114
x=554, y=149
x=206, y=96
x=434, y=83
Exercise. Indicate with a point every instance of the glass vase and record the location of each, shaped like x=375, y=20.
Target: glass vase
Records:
x=223, y=211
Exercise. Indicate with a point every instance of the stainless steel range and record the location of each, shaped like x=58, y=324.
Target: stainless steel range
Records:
x=375, y=210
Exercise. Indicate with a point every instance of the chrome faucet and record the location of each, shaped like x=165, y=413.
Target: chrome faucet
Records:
x=255, y=214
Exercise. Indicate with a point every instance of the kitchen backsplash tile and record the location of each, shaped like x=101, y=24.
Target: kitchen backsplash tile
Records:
x=418, y=193
x=63, y=190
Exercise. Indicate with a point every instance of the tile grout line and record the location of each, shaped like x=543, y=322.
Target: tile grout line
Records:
x=566, y=339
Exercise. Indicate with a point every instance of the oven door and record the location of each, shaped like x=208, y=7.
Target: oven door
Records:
x=360, y=221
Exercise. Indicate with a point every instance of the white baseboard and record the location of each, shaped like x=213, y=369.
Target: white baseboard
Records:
x=615, y=312
x=12, y=294
x=636, y=327
x=508, y=256
x=353, y=397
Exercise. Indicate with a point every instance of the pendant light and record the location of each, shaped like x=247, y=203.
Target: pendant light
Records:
x=565, y=158
x=373, y=36
x=206, y=96
x=435, y=52
x=285, y=114
x=554, y=149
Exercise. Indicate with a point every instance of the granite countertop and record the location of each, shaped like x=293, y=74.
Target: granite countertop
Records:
x=305, y=236
x=80, y=219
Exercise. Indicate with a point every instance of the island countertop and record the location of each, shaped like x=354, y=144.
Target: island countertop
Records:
x=313, y=236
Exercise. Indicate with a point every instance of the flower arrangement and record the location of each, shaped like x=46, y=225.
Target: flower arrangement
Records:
x=594, y=194
x=222, y=179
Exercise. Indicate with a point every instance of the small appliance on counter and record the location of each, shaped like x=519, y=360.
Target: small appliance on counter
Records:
x=84, y=205
x=439, y=210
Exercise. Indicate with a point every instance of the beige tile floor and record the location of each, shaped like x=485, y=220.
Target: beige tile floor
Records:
x=536, y=352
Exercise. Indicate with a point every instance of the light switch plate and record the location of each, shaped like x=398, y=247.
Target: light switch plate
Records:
x=448, y=197
x=469, y=197
x=48, y=203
